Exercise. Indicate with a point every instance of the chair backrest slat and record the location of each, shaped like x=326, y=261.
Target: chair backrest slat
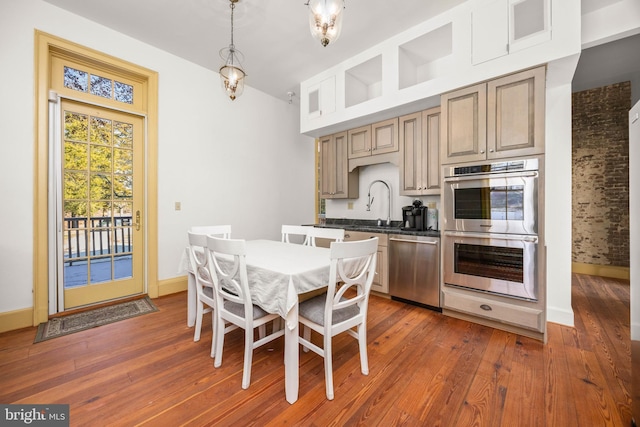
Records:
x=297, y=230
x=335, y=234
x=214, y=230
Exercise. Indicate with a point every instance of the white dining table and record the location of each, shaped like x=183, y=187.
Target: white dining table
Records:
x=278, y=273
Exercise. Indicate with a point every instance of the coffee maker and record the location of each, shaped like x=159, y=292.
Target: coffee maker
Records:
x=414, y=217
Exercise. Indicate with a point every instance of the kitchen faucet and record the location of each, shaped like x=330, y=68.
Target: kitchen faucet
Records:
x=370, y=200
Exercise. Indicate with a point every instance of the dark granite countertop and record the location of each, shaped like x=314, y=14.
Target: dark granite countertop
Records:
x=371, y=226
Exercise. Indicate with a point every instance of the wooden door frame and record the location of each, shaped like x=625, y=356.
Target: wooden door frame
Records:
x=45, y=46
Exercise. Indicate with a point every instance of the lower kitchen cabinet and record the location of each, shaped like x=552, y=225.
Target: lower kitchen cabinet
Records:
x=475, y=307
x=381, y=281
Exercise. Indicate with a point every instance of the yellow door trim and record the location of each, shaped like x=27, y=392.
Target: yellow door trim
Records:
x=46, y=46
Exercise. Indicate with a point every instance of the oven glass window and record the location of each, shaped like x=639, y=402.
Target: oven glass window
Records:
x=495, y=262
x=490, y=203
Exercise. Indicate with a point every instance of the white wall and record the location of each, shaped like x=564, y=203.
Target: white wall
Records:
x=249, y=151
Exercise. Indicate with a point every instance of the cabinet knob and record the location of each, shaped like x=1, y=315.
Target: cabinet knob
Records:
x=486, y=307
x=491, y=150
x=481, y=151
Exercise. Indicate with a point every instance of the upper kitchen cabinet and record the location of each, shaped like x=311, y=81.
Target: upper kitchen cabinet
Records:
x=321, y=98
x=498, y=119
x=500, y=27
x=371, y=140
x=336, y=182
x=420, y=153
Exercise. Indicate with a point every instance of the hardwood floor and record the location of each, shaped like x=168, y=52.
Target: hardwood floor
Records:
x=426, y=369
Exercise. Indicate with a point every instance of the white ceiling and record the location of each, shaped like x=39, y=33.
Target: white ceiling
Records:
x=274, y=35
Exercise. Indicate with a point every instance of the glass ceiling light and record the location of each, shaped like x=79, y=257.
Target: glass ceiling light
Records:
x=325, y=19
x=231, y=73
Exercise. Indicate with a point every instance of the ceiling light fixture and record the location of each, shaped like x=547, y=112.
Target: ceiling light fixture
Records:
x=325, y=19
x=231, y=73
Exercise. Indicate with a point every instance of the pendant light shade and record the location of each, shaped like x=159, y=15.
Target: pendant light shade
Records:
x=325, y=19
x=231, y=73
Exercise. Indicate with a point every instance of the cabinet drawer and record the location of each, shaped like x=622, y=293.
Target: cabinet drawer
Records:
x=495, y=310
x=349, y=236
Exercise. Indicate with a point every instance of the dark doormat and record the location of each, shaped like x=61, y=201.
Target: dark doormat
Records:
x=66, y=325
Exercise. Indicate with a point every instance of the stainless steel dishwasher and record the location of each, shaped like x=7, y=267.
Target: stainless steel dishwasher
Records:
x=414, y=267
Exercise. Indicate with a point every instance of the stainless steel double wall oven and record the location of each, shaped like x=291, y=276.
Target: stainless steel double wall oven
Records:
x=490, y=227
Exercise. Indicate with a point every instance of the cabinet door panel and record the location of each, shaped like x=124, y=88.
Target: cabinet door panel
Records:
x=359, y=142
x=463, y=134
x=410, y=153
x=327, y=167
x=431, y=151
x=342, y=167
x=489, y=29
x=384, y=137
x=530, y=23
x=515, y=116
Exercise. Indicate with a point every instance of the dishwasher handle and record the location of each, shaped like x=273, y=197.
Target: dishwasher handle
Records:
x=425, y=242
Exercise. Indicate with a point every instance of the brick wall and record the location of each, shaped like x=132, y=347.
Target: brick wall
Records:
x=600, y=152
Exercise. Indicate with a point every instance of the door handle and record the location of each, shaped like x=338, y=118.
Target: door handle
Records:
x=137, y=224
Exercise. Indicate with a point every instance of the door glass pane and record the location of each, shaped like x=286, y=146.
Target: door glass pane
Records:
x=122, y=267
x=495, y=262
x=494, y=203
x=76, y=79
x=101, y=86
x=123, y=135
x=123, y=92
x=101, y=269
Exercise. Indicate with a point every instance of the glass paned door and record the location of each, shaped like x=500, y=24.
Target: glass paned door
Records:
x=101, y=231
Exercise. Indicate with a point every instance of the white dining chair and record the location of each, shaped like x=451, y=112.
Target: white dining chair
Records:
x=205, y=294
x=198, y=260
x=300, y=231
x=335, y=234
x=340, y=309
x=234, y=308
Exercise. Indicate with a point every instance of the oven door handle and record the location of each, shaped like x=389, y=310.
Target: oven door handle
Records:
x=520, y=237
x=532, y=174
x=424, y=242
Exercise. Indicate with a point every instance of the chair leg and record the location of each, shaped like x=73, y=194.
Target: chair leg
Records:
x=306, y=334
x=214, y=325
x=248, y=357
x=362, y=343
x=198, y=327
x=328, y=365
x=219, y=342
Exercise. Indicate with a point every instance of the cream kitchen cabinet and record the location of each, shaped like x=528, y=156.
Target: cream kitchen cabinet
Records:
x=381, y=280
x=371, y=140
x=498, y=119
x=336, y=182
x=501, y=27
x=419, y=135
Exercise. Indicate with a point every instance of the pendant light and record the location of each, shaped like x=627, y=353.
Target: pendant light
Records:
x=325, y=19
x=231, y=73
